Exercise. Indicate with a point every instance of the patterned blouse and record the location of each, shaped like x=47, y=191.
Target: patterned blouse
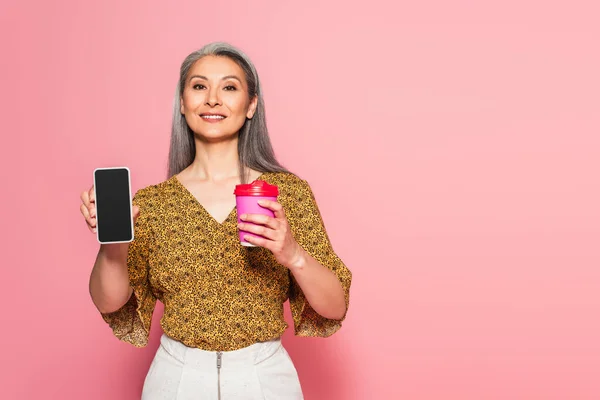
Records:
x=219, y=295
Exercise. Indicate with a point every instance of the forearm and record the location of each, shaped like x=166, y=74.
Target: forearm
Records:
x=321, y=286
x=109, y=281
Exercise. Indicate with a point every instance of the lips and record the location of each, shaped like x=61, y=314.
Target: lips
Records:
x=212, y=117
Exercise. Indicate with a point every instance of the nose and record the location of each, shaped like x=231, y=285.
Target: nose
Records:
x=213, y=97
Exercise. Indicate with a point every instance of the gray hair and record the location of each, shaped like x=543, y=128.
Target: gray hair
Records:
x=254, y=146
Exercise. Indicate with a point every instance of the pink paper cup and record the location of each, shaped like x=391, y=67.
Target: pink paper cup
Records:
x=246, y=200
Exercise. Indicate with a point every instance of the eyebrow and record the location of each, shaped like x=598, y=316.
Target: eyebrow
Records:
x=224, y=78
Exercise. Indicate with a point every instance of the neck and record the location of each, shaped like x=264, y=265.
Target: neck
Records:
x=216, y=161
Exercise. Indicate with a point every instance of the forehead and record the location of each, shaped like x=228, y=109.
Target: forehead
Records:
x=216, y=67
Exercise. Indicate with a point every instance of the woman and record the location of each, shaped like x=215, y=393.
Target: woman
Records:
x=223, y=315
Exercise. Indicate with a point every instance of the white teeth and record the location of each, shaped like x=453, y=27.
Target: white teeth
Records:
x=213, y=116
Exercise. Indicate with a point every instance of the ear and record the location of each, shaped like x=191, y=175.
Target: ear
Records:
x=252, y=107
x=181, y=110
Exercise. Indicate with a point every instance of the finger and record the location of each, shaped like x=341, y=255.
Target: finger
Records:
x=258, y=241
x=90, y=221
x=92, y=195
x=258, y=230
x=85, y=198
x=90, y=204
x=85, y=212
x=260, y=219
x=273, y=206
x=91, y=207
x=136, y=213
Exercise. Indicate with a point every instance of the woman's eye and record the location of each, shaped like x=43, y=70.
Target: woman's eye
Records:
x=198, y=86
x=230, y=87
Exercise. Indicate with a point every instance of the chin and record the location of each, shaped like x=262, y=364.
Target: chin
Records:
x=212, y=136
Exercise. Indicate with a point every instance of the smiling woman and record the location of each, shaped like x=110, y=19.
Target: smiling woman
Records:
x=219, y=97
x=223, y=315
x=214, y=71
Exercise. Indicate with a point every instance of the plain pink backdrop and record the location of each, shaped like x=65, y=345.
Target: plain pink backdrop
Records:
x=453, y=147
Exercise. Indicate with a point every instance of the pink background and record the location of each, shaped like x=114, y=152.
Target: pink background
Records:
x=453, y=147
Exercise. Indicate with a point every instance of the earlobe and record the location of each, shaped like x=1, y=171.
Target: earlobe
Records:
x=181, y=110
x=252, y=108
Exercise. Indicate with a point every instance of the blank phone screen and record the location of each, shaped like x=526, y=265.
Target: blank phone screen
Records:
x=113, y=205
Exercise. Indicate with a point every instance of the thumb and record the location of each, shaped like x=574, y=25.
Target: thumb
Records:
x=136, y=213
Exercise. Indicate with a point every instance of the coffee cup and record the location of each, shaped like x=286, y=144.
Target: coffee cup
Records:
x=246, y=200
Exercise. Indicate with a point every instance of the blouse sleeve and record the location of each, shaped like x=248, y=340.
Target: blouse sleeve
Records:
x=131, y=323
x=309, y=231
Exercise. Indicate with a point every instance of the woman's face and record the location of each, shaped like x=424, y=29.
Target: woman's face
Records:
x=215, y=98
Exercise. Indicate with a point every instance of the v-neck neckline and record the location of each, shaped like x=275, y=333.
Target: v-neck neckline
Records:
x=187, y=192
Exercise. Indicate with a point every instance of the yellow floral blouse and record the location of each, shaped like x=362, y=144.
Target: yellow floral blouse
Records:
x=219, y=295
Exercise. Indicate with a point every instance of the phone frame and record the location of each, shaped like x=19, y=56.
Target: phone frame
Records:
x=130, y=204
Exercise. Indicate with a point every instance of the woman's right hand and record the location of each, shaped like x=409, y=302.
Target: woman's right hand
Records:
x=88, y=209
x=109, y=280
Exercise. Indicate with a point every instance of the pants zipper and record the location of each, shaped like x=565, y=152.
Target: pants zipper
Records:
x=219, y=358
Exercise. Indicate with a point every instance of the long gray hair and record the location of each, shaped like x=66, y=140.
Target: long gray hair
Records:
x=254, y=146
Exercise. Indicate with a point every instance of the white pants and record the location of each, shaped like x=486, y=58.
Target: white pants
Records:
x=262, y=371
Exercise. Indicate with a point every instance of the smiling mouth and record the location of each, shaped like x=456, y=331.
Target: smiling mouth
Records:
x=212, y=117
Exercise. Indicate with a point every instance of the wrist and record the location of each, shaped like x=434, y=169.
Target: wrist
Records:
x=299, y=260
x=114, y=251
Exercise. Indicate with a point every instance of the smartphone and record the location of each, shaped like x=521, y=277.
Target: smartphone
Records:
x=114, y=214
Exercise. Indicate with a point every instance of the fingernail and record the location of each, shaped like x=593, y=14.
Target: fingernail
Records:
x=243, y=216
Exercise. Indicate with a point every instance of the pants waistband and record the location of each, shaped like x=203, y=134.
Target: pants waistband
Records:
x=252, y=354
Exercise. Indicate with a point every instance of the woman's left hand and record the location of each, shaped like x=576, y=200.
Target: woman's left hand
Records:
x=275, y=232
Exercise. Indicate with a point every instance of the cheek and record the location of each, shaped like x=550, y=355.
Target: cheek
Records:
x=239, y=106
x=191, y=101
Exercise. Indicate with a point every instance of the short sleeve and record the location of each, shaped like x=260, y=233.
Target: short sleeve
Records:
x=309, y=231
x=131, y=323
